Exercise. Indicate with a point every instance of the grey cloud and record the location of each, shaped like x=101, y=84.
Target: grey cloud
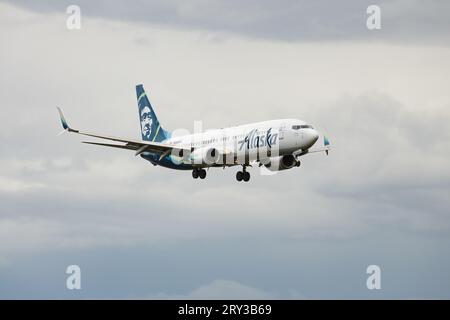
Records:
x=402, y=21
x=400, y=160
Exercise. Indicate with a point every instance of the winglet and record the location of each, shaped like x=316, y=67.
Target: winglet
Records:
x=64, y=121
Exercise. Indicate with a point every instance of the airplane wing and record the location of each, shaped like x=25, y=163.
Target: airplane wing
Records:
x=135, y=145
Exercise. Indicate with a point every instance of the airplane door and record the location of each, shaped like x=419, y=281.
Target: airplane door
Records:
x=282, y=131
x=298, y=136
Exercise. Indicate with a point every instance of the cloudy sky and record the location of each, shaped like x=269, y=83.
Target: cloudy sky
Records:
x=139, y=231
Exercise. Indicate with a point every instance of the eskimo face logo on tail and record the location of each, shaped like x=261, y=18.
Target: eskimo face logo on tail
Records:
x=256, y=139
x=146, y=122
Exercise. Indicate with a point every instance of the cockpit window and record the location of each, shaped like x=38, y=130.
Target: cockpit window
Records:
x=303, y=126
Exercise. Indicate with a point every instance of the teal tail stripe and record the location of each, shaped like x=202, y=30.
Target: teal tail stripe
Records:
x=141, y=96
x=156, y=134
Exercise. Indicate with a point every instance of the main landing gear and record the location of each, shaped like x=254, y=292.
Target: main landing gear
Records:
x=199, y=173
x=243, y=175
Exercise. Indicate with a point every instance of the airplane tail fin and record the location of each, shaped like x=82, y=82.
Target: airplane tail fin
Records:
x=150, y=127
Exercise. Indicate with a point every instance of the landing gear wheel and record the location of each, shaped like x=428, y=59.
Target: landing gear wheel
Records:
x=195, y=173
x=246, y=176
x=202, y=173
x=239, y=176
x=298, y=163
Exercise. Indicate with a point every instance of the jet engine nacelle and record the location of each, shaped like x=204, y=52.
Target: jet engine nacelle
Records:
x=281, y=163
x=205, y=156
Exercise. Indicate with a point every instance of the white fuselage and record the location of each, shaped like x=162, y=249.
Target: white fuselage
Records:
x=255, y=140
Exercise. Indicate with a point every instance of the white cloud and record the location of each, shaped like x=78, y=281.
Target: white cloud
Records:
x=221, y=289
x=14, y=185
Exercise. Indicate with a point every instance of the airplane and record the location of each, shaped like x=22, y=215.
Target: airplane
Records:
x=275, y=144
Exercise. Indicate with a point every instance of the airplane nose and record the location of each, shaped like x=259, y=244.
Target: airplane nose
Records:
x=311, y=137
x=314, y=136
